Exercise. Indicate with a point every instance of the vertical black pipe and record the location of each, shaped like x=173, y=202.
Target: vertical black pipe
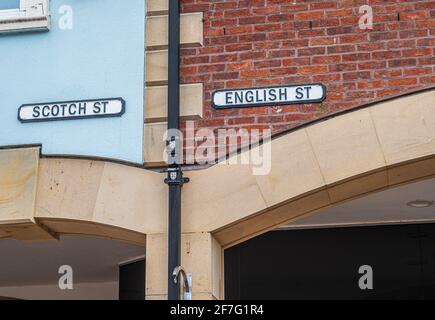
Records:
x=174, y=65
x=174, y=236
x=174, y=232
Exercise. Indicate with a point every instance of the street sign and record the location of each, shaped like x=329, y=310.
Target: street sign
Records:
x=72, y=110
x=269, y=96
x=67, y=96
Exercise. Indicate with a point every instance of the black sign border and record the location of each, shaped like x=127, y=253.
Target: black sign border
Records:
x=116, y=115
x=270, y=103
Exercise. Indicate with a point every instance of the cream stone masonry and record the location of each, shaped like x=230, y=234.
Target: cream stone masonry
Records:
x=18, y=187
x=18, y=181
x=276, y=186
x=335, y=147
x=157, y=68
x=191, y=102
x=141, y=213
x=154, y=144
x=218, y=196
x=202, y=256
x=156, y=78
x=100, y=198
x=406, y=128
x=191, y=30
x=157, y=7
x=156, y=286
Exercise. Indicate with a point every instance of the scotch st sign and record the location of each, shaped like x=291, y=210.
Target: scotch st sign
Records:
x=267, y=96
x=98, y=127
x=72, y=110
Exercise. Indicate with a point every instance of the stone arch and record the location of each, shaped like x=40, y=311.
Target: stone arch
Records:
x=41, y=199
x=348, y=155
x=321, y=164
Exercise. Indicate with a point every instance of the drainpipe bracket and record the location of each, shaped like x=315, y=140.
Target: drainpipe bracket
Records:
x=175, y=177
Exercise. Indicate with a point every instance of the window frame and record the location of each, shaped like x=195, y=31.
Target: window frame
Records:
x=33, y=15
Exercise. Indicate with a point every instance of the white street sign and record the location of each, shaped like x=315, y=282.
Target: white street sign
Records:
x=269, y=96
x=72, y=110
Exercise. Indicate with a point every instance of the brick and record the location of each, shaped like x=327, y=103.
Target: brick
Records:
x=402, y=82
x=414, y=15
x=309, y=15
x=312, y=69
x=249, y=43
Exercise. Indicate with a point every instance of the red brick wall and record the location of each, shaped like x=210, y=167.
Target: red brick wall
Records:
x=250, y=43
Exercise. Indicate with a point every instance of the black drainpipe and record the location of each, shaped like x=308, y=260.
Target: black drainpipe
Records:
x=175, y=178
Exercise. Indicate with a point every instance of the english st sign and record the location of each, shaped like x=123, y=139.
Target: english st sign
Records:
x=269, y=96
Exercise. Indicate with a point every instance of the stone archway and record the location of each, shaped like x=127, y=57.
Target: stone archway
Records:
x=43, y=198
x=369, y=149
x=321, y=164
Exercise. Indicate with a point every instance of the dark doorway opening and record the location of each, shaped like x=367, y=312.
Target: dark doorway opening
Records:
x=132, y=281
x=324, y=264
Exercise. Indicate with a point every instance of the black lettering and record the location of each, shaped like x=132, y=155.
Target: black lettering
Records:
x=249, y=96
x=82, y=108
x=272, y=95
x=72, y=110
x=97, y=108
x=239, y=97
x=63, y=106
x=55, y=110
x=308, y=91
x=105, y=103
x=257, y=94
x=299, y=93
x=36, y=112
x=46, y=111
x=228, y=98
x=283, y=94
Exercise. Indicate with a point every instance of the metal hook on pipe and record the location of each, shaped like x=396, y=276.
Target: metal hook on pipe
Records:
x=187, y=277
